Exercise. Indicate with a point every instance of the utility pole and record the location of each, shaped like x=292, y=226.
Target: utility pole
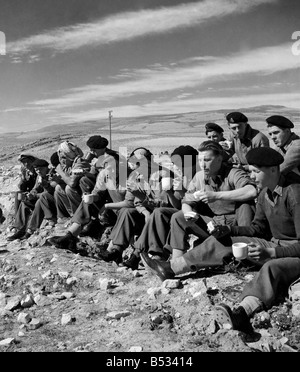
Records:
x=110, y=116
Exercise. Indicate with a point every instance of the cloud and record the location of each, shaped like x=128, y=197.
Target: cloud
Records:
x=132, y=25
x=258, y=62
x=190, y=105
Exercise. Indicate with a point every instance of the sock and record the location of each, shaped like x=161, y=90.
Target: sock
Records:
x=251, y=305
x=75, y=229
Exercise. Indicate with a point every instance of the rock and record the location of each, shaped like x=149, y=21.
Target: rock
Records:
x=117, y=314
x=56, y=296
x=4, y=313
x=106, y=283
x=165, y=291
x=288, y=349
x=212, y=328
x=27, y=301
x=3, y=300
x=34, y=324
x=154, y=291
x=47, y=274
x=262, y=320
x=171, y=283
x=67, y=319
x=63, y=274
x=7, y=341
x=3, y=295
x=71, y=281
x=135, y=349
x=122, y=269
x=68, y=295
x=23, y=318
x=41, y=300
x=13, y=303
x=248, y=277
x=136, y=274
x=198, y=288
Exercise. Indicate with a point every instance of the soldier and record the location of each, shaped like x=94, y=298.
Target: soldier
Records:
x=286, y=141
x=244, y=138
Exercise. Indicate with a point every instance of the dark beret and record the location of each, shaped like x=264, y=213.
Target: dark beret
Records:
x=213, y=126
x=279, y=121
x=38, y=163
x=264, y=157
x=24, y=157
x=97, y=142
x=185, y=150
x=236, y=117
x=54, y=159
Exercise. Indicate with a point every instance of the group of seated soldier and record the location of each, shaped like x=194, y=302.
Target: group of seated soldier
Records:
x=225, y=191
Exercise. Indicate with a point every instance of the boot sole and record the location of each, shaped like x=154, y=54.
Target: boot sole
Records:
x=223, y=317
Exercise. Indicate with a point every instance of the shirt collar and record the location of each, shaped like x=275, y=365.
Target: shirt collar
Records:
x=292, y=137
x=278, y=191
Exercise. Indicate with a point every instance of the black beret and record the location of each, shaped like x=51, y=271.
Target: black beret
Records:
x=54, y=159
x=279, y=121
x=97, y=142
x=185, y=150
x=236, y=117
x=38, y=163
x=264, y=157
x=24, y=157
x=213, y=126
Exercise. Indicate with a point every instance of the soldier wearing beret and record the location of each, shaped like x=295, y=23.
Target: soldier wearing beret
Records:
x=215, y=133
x=286, y=141
x=244, y=138
x=278, y=214
x=274, y=233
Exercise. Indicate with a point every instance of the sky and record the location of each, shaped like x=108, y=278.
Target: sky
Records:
x=75, y=60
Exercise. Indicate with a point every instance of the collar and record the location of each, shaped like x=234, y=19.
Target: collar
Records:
x=292, y=137
x=278, y=191
x=248, y=133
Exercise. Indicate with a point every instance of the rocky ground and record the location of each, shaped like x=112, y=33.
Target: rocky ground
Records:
x=53, y=300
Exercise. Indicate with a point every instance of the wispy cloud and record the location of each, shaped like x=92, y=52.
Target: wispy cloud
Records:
x=262, y=61
x=131, y=25
x=189, y=105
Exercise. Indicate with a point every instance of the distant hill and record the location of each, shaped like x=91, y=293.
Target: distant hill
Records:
x=157, y=132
